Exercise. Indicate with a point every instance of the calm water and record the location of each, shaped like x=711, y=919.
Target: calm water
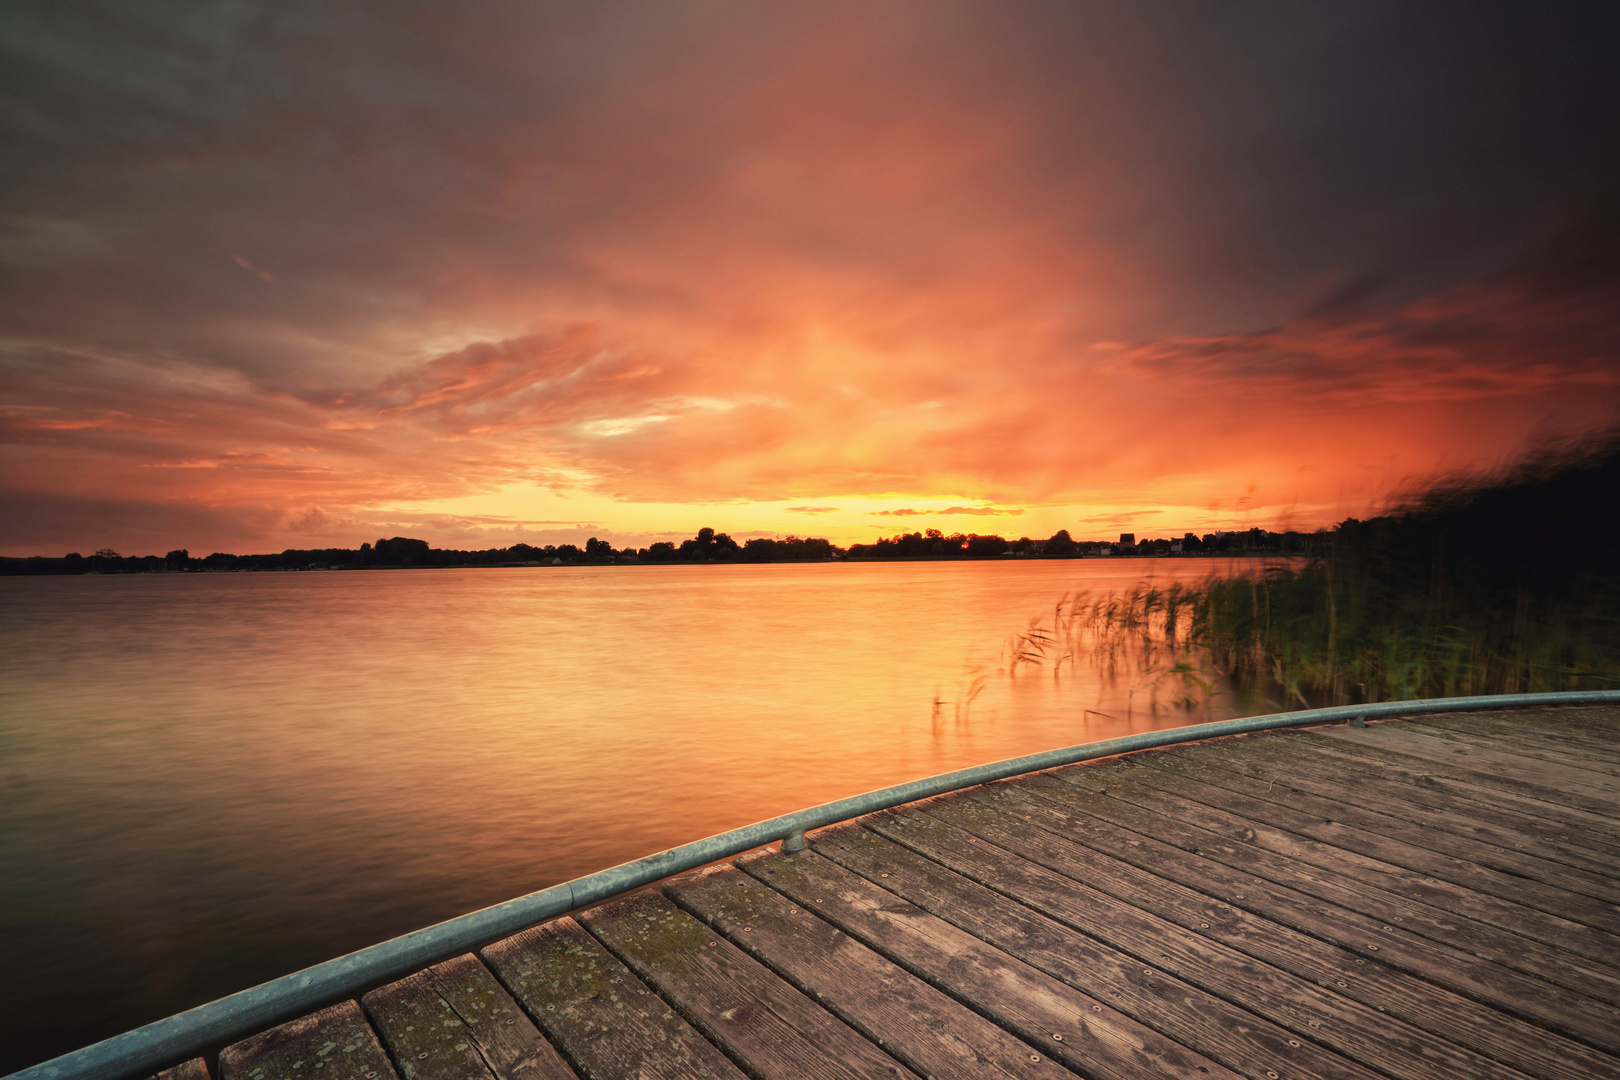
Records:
x=210, y=780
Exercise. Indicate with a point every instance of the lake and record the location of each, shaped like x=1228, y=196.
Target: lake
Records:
x=209, y=780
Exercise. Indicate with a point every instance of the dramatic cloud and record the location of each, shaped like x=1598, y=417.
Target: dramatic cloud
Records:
x=280, y=273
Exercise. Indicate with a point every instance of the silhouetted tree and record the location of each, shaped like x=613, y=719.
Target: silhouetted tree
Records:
x=402, y=551
x=1060, y=543
x=981, y=546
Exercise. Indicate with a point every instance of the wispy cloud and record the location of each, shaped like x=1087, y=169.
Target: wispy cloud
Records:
x=262, y=275
x=971, y=511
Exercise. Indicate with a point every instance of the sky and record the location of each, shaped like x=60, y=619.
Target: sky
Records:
x=286, y=274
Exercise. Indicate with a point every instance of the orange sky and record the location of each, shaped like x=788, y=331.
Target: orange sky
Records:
x=278, y=276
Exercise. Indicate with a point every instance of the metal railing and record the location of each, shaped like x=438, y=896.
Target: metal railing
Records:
x=158, y=1045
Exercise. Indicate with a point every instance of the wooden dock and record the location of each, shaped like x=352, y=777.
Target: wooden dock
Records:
x=1430, y=898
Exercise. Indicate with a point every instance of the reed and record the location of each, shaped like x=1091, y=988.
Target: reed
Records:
x=1507, y=582
x=1503, y=583
x=1140, y=637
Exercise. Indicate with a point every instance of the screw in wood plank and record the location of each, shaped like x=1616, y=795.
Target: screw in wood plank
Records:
x=1057, y=1037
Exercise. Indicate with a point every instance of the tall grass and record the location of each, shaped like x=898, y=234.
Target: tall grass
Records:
x=1502, y=583
x=1139, y=638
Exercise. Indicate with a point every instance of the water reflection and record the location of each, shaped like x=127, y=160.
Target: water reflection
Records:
x=210, y=780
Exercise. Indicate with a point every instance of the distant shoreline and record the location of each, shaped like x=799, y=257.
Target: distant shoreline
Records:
x=42, y=566
x=708, y=546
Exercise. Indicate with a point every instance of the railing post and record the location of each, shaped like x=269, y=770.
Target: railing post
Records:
x=793, y=841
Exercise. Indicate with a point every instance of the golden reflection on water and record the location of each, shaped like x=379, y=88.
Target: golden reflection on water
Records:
x=210, y=780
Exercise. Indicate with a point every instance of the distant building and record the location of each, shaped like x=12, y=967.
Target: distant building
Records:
x=1127, y=539
x=1105, y=550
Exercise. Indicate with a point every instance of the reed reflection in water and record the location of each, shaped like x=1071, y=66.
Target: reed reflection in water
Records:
x=211, y=780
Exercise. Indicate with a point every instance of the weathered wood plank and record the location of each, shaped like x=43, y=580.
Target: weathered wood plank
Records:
x=1192, y=782
x=1142, y=798
x=195, y=1069
x=927, y=1030
x=1589, y=791
x=1376, y=926
x=1512, y=743
x=1533, y=731
x=1363, y=990
x=763, y=1023
x=454, y=1021
x=606, y=1022
x=1585, y=828
x=1525, y=739
x=1439, y=834
x=1544, y=730
x=1599, y=723
x=1087, y=1034
x=1276, y=760
x=1110, y=962
x=1249, y=1016
x=333, y=1044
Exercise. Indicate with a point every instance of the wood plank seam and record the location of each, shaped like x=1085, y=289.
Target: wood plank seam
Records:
x=1273, y=762
x=1339, y=832
x=1234, y=891
x=1420, y=999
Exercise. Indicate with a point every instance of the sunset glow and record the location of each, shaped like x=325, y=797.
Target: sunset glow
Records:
x=278, y=276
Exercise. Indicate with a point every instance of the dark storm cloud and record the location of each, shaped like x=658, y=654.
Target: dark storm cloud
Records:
x=378, y=159
x=296, y=255
x=1545, y=320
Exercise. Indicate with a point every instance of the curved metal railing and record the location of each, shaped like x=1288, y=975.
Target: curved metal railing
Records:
x=147, y=1049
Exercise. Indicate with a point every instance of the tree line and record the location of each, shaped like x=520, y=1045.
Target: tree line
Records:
x=708, y=546
x=404, y=551
x=934, y=544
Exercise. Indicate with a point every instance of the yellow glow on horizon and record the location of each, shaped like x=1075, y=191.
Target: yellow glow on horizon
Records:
x=842, y=519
